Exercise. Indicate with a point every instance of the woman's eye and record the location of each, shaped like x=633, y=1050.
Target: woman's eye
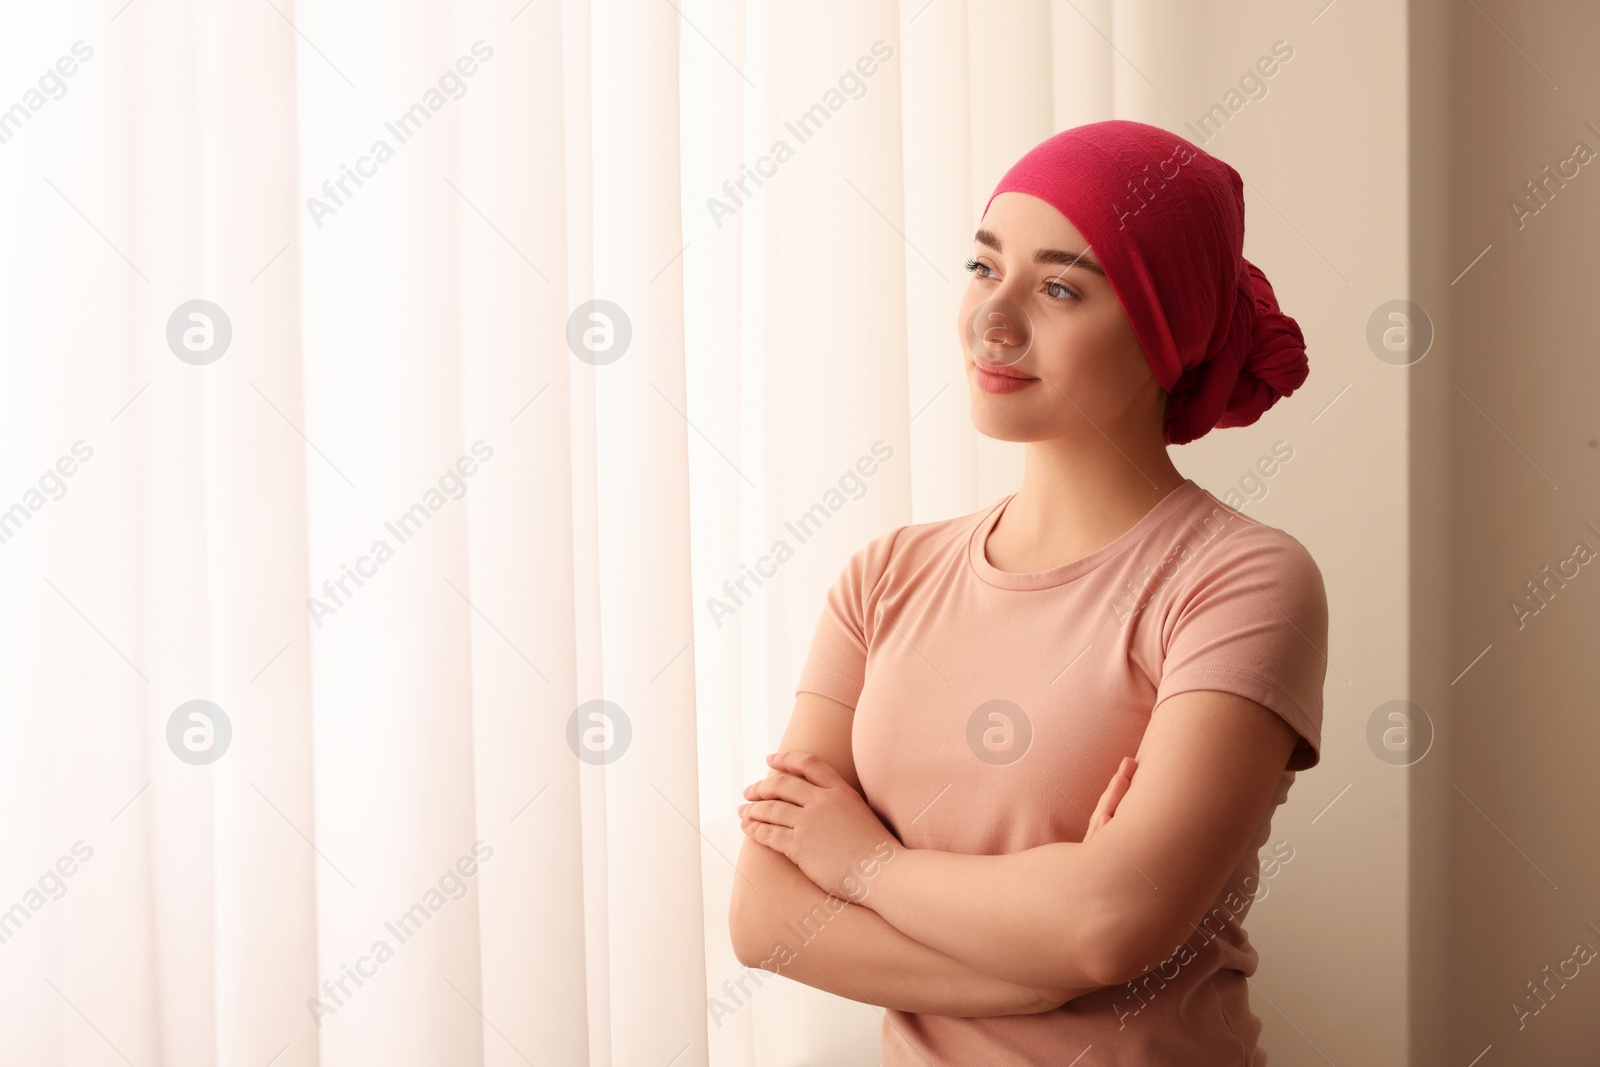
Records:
x=974, y=267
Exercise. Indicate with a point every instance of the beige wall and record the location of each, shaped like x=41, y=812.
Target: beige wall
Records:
x=1432, y=663
x=1526, y=468
x=1432, y=660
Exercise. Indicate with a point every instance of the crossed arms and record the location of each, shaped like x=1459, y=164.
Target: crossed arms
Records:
x=954, y=934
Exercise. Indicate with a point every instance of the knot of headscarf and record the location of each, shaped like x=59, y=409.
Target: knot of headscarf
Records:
x=1166, y=221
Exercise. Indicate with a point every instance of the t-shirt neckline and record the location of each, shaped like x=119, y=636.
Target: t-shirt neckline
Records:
x=1055, y=576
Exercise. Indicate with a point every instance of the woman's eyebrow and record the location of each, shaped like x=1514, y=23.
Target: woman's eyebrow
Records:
x=1046, y=255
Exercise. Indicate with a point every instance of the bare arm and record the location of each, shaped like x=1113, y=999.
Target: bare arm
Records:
x=781, y=921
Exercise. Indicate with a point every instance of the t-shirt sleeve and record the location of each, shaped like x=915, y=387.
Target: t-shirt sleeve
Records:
x=1255, y=623
x=836, y=664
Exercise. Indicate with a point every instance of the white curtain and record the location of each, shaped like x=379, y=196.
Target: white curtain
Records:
x=482, y=586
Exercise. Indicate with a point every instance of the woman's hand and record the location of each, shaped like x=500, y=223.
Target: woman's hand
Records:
x=808, y=812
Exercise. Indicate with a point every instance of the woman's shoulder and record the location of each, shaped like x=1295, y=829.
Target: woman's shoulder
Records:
x=1230, y=547
x=1241, y=532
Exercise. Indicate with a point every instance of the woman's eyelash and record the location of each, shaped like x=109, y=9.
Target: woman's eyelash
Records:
x=973, y=265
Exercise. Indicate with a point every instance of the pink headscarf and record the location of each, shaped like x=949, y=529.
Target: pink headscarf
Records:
x=1166, y=221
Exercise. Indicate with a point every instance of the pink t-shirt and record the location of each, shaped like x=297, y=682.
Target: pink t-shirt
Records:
x=981, y=696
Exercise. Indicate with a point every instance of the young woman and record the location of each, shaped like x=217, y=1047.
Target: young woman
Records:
x=954, y=794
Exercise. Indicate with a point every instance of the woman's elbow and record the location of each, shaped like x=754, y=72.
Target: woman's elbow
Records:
x=1116, y=966
x=1089, y=951
x=743, y=928
x=752, y=922
x=1108, y=963
x=1134, y=944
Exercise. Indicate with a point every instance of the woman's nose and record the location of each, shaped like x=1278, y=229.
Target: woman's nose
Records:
x=1000, y=325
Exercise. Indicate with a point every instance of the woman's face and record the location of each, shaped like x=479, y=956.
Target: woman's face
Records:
x=1036, y=308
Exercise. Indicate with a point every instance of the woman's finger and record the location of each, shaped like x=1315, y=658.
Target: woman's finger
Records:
x=808, y=765
x=773, y=812
x=778, y=838
x=1113, y=794
x=782, y=785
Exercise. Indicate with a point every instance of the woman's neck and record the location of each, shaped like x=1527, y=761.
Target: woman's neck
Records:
x=1073, y=502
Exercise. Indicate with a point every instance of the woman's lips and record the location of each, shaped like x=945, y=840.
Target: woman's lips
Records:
x=1001, y=380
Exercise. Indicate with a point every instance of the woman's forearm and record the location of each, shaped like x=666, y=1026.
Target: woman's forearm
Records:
x=782, y=922
x=1033, y=917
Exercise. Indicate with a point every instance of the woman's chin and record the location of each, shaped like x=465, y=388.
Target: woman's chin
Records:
x=992, y=418
x=1002, y=425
